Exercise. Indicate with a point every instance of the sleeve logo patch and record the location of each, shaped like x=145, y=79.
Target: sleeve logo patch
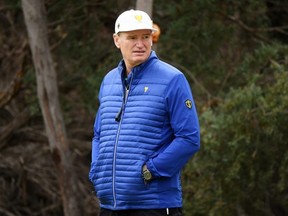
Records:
x=188, y=103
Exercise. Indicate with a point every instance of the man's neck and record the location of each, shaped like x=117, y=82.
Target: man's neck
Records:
x=128, y=70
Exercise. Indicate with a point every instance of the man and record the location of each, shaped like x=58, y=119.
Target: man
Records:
x=146, y=128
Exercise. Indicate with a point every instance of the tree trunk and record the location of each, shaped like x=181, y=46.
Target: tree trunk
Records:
x=145, y=5
x=47, y=90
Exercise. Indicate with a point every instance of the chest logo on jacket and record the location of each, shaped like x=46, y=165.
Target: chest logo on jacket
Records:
x=188, y=103
x=145, y=89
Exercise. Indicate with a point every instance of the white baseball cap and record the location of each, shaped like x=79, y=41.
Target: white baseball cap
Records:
x=131, y=20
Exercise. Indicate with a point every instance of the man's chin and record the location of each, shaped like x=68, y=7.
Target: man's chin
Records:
x=140, y=58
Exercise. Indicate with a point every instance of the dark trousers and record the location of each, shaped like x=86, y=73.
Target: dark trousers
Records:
x=142, y=212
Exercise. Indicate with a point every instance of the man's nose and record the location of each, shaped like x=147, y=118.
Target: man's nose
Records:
x=139, y=42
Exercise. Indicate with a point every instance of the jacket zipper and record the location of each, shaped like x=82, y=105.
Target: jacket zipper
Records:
x=119, y=119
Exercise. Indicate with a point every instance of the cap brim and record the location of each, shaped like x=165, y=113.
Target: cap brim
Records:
x=136, y=29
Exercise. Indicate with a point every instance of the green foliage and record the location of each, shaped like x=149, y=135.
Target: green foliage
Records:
x=205, y=37
x=81, y=33
x=242, y=166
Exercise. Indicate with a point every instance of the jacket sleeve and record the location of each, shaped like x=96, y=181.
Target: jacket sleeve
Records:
x=185, y=126
x=96, y=130
x=95, y=140
x=95, y=146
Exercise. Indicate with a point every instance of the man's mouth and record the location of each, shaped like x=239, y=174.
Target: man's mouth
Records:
x=139, y=52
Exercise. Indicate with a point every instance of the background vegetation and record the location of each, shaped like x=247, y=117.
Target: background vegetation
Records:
x=235, y=55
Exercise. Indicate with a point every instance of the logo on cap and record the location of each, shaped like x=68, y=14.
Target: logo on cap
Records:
x=138, y=18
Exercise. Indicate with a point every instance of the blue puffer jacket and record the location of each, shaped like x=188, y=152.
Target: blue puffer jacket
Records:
x=157, y=124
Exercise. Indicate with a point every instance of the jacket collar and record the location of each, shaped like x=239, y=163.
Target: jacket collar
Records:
x=136, y=69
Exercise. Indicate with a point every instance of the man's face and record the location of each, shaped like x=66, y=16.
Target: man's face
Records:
x=135, y=46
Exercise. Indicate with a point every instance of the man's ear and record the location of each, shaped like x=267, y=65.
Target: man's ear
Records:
x=116, y=40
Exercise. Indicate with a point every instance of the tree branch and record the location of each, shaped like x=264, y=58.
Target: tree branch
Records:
x=16, y=123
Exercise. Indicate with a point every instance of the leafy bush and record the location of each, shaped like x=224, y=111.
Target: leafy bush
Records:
x=242, y=166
